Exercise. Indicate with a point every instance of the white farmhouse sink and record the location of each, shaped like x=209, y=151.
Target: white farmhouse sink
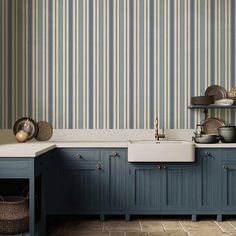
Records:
x=161, y=151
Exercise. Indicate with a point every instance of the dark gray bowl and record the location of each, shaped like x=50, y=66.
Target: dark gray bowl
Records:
x=207, y=138
x=202, y=100
x=227, y=134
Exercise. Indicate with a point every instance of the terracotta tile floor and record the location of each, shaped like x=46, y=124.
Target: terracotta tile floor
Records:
x=143, y=227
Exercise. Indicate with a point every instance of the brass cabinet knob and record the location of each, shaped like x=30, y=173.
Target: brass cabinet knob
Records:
x=114, y=154
x=98, y=167
x=208, y=154
x=78, y=155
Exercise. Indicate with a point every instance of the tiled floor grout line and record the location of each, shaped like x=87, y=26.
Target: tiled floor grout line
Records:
x=232, y=225
x=163, y=226
x=183, y=228
x=220, y=227
x=141, y=230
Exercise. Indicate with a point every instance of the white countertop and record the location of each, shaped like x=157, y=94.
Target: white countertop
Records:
x=216, y=145
x=34, y=149
x=25, y=149
x=91, y=144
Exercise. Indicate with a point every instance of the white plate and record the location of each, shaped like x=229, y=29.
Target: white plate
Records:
x=224, y=102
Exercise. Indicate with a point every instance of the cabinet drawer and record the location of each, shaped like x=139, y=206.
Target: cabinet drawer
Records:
x=75, y=165
x=229, y=155
x=207, y=153
x=79, y=154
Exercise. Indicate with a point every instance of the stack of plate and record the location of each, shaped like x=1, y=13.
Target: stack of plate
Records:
x=224, y=102
x=217, y=91
x=211, y=125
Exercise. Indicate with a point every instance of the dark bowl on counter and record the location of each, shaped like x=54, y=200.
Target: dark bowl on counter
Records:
x=207, y=138
x=227, y=134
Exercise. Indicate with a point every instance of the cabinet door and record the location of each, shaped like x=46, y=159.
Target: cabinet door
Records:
x=81, y=188
x=53, y=184
x=144, y=188
x=207, y=179
x=114, y=180
x=73, y=184
x=229, y=186
x=177, y=187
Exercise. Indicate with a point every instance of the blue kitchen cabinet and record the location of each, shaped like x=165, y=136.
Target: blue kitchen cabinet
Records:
x=30, y=170
x=101, y=181
x=87, y=181
x=114, y=180
x=160, y=188
x=207, y=180
x=77, y=182
x=228, y=181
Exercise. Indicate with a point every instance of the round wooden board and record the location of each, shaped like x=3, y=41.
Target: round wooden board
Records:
x=45, y=131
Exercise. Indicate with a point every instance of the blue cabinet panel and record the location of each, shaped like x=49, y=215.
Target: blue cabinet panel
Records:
x=114, y=180
x=74, y=181
x=144, y=187
x=161, y=188
x=13, y=168
x=207, y=180
x=228, y=155
x=177, y=187
x=229, y=187
x=81, y=192
x=79, y=154
x=53, y=182
x=228, y=170
x=228, y=180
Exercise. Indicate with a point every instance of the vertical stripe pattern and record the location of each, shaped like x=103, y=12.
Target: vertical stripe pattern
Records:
x=114, y=64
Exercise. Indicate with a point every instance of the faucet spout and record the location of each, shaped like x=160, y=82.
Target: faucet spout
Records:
x=157, y=135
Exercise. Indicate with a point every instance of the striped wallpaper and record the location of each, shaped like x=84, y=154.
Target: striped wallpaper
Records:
x=113, y=64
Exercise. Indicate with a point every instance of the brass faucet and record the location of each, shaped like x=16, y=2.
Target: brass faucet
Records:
x=157, y=135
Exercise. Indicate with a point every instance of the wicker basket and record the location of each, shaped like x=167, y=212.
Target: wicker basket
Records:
x=14, y=215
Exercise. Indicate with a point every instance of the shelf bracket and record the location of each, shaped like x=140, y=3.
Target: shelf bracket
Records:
x=205, y=113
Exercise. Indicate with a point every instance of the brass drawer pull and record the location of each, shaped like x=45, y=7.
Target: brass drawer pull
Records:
x=114, y=154
x=208, y=154
x=78, y=155
x=98, y=167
